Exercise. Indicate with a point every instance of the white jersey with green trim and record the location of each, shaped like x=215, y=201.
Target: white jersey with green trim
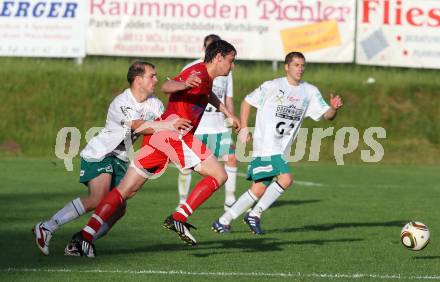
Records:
x=281, y=109
x=112, y=138
x=213, y=121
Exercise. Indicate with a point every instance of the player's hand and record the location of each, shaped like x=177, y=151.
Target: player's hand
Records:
x=192, y=81
x=175, y=123
x=235, y=122
x=243, y=135
x=180, y=124
x=335, y=101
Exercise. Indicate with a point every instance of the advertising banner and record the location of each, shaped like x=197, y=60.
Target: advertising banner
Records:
x=259, y=29
x=399, y=33
x=43, y=28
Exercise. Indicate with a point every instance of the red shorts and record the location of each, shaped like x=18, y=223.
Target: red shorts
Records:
x=161, y=147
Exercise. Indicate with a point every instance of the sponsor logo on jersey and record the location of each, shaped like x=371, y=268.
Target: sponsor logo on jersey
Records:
x=124, y=110
x=81, y=173
x=289, y=112
x=279, y=98
x=292, y=98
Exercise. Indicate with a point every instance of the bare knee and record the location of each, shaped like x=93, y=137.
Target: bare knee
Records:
x=92, y=201
x=129, y=194
x=285, y=180
x=258, y=189
x=258, y=192
x=231, y=161
x=98, y=188
x=221, y=176
x=131, y=183
x=211, y=167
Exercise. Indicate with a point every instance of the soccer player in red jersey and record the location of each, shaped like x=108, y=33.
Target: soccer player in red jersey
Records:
x=190, y=92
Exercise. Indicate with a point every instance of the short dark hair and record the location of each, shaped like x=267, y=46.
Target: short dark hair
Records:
x=291, y=55
x=137, y=69
x=218, y=46
x=209, y=39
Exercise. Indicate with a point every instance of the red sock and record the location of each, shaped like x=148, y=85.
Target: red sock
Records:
x=201, y=192
x=106, y=208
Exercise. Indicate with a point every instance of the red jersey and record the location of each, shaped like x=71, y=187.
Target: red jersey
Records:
x=190, y=103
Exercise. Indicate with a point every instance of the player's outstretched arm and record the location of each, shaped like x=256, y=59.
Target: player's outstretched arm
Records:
x=149, y=127
x=245, y=110
x=229, y=103
x=171, y=86
x=335, y=104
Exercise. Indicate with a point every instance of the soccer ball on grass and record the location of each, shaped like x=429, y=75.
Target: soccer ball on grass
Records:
x=414, y=235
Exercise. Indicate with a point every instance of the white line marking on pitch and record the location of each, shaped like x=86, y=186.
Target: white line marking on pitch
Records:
x=251, y=274
x=315, y=184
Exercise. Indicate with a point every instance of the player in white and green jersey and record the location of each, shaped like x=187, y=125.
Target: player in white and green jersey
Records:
x=282, y=105
x=214, y=131
x=104, y=159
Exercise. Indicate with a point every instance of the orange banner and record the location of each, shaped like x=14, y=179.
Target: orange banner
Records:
x=311, y=37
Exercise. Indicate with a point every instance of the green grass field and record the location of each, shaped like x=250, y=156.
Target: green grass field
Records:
x=336, y=223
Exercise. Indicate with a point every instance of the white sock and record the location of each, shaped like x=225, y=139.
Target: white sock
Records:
x=184, y=182
x=71, y=211
x=272, y=193
x=230, y=185
x=241, y=205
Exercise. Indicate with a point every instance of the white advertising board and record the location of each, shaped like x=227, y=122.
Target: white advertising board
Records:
x=399, y=33
x=43, y=28
x=259, y=29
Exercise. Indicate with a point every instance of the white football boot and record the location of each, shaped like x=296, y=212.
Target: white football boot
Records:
x=42, y=237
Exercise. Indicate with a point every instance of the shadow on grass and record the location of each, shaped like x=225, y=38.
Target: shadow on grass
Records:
x=333, y=226
x=293, y=202
x=427, y=257
x=22, y=252
x=36, y=204
x=275, y=205
x=263, y=244
x=25, y=199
